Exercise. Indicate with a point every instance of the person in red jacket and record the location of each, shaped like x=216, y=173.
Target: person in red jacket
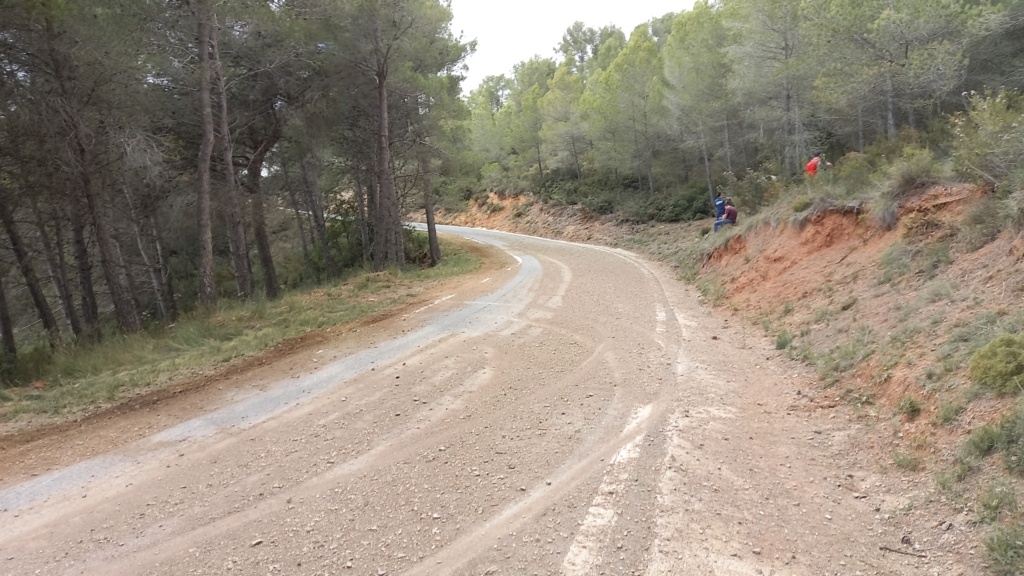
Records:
x=728, y=217
x=815, y=164
x=812, y=167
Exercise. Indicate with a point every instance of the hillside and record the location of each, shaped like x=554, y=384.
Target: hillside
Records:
x=888, y=318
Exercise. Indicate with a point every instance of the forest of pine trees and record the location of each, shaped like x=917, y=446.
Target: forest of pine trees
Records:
x=149, y=149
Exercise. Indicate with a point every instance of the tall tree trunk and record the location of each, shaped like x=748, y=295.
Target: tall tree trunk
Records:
x=83, y=268
x=166, y=279
x=890, y=109
x=860, y=127
x=728, y=146
x=8, y=345
x=428, y=205
x=117, y=282
x=151, y=269
x=707, y=162
x=361, y=216
x=388, y=240
x=788, y=130
x=207, y=289
x=35, y=288
x=255, y=175
x=576, y=160
x=293, y=199
x=316, y=210
x=126, y=267
x=58, y=269
x=236, y=224
x=540, y=167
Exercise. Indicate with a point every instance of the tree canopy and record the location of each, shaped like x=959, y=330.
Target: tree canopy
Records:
x=152, y=152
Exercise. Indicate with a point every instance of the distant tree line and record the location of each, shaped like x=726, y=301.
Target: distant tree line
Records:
x=652, y=124
x=148, y=147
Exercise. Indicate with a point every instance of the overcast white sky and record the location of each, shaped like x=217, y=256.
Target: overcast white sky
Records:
x=512, y=31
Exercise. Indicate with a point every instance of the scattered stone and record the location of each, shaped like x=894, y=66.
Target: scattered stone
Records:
x=256, y=542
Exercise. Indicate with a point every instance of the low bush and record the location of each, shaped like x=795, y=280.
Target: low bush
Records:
x=1013, y=440
x=999, y=365
x=996, y=500
x=915, y=169
x=949, y=413
x=1005, y=436
x=783, y=340
x=909, y=407
x=982, y=224
x=1005, y=546
x=906, y=461
x=989, y=138
x=982, y=442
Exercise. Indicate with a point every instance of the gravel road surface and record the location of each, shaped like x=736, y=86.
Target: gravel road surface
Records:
x=569, y=410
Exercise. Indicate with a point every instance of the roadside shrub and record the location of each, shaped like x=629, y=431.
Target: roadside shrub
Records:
x=750, y=190
x=492, y=177
x=989, y=139
x=999, y=365
x=522, y=210
x=844, y=357
x=982, y=224
x=982, y=442
x=855, y=172
x=1012, y=428
x=1006, y=436
x=674, y=207
x=906, y=461
x=885, y=212
x=897, y=262
x=909, y=407
x=1015, y=209
x=915, y=169
x=802, y=204
x=923, y=260
x=417, y=247
x=999, y=498
x=33, y=363
x=602, y=205
x=1005, y=547
x=783, y=340
x=817, y=206
x=949, y=413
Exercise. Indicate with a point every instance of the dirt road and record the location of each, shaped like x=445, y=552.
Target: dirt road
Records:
x=572, y=411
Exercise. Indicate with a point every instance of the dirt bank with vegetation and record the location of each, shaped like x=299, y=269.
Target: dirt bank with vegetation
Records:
x=890, y=313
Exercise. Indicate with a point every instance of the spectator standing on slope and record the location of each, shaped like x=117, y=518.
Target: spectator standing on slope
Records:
x=815, y=164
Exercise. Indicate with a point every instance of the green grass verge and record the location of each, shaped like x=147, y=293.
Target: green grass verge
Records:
x=83, y=377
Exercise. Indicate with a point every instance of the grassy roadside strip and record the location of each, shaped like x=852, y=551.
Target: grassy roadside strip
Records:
x=82, y=379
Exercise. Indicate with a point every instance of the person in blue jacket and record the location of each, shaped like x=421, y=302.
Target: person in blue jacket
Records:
x=719, y=206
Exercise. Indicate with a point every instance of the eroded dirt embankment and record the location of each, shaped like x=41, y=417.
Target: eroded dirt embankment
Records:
x=836, y=279
x=887, y=317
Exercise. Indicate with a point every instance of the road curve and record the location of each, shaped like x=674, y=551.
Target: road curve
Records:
x=542, y=426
